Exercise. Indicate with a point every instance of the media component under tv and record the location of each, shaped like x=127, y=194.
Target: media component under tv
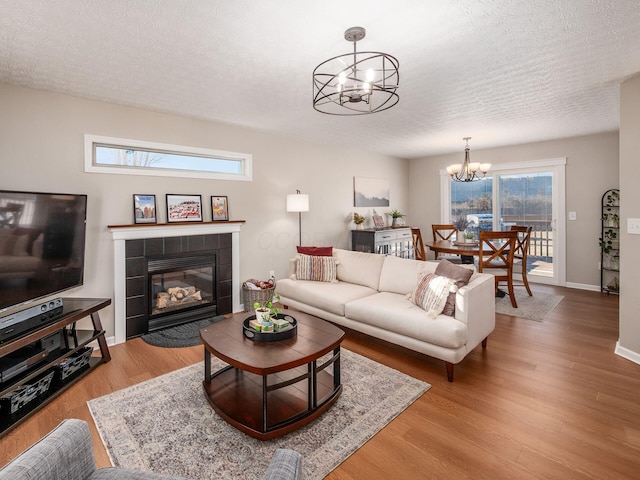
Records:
x=42, y=246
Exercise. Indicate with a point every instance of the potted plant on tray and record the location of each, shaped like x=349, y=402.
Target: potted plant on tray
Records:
x=265, y=309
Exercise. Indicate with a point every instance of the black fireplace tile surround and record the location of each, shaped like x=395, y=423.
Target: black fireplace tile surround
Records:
x=136, y=251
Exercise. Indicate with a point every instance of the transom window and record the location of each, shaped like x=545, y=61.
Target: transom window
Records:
x=135, y=157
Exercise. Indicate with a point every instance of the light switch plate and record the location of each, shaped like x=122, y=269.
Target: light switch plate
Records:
x=573, y=216
x=633, y=226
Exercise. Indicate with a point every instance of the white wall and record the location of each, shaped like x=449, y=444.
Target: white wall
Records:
x=41, y=149
x=629, y=342
x=592, y=168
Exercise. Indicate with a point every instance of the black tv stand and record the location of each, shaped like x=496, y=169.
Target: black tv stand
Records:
x=75, y=340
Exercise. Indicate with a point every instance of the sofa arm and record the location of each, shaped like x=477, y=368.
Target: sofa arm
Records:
x=476, y=307
x=285, y=465
x=65, y=453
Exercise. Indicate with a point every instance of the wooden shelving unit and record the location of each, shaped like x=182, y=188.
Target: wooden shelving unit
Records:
x=610, y=242
x=74, y=340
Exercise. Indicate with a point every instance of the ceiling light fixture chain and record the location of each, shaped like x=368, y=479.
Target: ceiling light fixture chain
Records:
x=356, y=83
x=467, y=171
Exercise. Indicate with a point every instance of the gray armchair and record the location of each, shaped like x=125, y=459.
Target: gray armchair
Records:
x=66, y=453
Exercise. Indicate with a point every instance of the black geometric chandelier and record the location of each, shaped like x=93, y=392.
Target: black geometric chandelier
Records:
x=356, y=83
x=467, y=171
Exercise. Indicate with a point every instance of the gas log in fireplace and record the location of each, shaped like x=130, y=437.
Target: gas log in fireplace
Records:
x=175, y=280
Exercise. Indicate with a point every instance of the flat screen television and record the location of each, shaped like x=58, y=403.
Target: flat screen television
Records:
x=42, y=245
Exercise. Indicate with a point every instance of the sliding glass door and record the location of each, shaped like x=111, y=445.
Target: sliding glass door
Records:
x=527, y=199
x=529, y=194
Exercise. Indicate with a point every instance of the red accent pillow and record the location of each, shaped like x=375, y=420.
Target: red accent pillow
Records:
x=316, y=251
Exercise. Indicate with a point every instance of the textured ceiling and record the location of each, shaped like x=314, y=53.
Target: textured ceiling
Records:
x=501, y=71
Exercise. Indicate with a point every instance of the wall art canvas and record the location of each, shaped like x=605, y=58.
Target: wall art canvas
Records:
x=219, y=209
x=370, y=192
x=144, y=209
x=184, y=208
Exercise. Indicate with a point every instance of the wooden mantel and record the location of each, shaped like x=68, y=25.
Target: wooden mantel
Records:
x=173, y=224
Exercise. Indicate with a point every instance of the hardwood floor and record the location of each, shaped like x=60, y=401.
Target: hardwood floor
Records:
x=545, y=400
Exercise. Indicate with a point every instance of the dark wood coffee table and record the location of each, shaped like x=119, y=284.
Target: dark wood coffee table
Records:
x=270, y=389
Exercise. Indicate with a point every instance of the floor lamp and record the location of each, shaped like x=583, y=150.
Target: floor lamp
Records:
x=298, y=202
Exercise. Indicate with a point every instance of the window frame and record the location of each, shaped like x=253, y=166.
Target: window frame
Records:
x=92, y=141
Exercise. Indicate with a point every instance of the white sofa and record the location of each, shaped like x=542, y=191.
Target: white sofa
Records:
x=370, y=296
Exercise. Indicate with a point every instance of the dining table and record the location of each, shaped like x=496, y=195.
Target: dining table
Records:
x=466, y=250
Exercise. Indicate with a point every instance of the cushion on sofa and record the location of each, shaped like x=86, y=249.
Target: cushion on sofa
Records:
x=327, y=296
x=459, y=274
x=395, y=313
x=359, y=267
x=431, y=293
x=319, y=269
x=400, y=275
x=317, y=251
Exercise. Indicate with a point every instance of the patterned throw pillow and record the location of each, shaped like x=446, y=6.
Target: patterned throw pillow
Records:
x=457, y=273
x=316, y=268
x=432, y=292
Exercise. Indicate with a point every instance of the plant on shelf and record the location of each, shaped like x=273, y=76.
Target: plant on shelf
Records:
x=396, y=215
x=613, y=198
x=611, y=219
x=606, y=241
x=358, y=220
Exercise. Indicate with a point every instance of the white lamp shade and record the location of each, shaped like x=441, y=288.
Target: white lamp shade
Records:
x=298, y=202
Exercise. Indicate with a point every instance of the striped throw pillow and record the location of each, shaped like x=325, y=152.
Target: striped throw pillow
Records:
x=316, y=268
x=432, y=292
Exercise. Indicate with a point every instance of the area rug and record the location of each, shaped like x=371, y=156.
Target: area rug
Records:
x=535, y=308
x=185, y=335
x=166, y=425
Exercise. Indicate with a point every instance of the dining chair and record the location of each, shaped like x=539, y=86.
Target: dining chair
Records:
x=418, y=245
x=442, y=232
x=496, y=257
x=520, y=255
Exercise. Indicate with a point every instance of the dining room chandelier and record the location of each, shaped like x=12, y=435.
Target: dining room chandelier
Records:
x=467, y=171
x=356, y=83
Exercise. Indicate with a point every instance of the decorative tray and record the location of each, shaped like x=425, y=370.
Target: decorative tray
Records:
x=288, y=332
x=470, y=244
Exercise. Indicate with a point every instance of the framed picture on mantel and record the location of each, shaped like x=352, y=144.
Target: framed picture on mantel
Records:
x=184, y=208
x=144, y=209
x=219, y=209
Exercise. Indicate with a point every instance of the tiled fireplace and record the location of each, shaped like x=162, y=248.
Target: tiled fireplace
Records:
x=169, y=274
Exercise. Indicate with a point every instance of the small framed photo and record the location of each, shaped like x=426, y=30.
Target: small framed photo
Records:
x=378, y=221
x=144, y=208
x=219, y=209
x=184, y=208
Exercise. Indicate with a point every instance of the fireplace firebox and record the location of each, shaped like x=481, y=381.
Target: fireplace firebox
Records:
x=178, y=285
x=176, y=280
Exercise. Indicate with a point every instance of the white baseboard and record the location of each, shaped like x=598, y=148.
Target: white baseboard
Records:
x=583, y=286
x=626, y=353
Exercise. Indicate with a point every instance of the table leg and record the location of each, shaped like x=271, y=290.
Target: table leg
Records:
x=312, y=386
x=336, y=368
x=264, y=403
x=207, y=366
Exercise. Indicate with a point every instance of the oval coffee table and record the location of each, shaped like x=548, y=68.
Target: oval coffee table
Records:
x=269, y=389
